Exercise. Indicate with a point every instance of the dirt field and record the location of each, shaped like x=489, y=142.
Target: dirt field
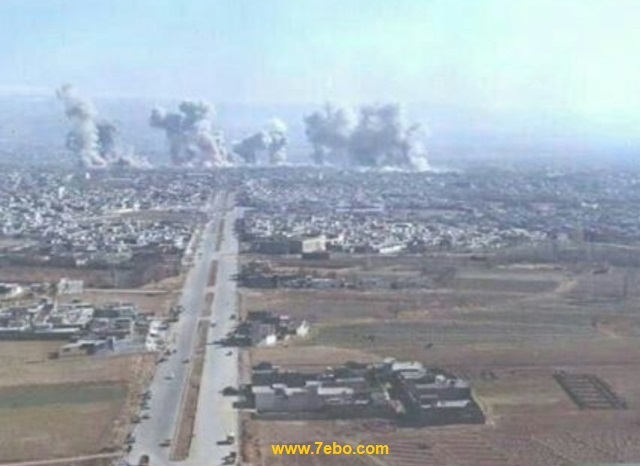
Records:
x=154, y=298
x=78, y=405
x=55, y=430
x=507, y=328
x=65, y=407
x=149, y=302
x=65, y=419
x=25, y=274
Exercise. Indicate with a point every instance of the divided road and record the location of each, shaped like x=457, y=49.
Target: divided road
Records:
x=215, y=417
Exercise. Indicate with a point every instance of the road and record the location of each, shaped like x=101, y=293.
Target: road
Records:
x=215, y=416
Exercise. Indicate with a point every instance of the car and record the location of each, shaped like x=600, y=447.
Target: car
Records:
x=230, y=458
x=146, y=417
x=170, y=376
x=213, y=324
x=165, y=443
x=232, y=317
x=229, y=391
x=229, y=353
x=186, y=361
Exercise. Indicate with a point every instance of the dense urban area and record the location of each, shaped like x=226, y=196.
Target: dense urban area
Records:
x=319, y=233
x=165, y=315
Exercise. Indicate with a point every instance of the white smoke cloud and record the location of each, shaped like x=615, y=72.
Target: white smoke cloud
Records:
x=190, y=134
x=82, y=138
x=378, y=137
x=94, y=142
x=277, y=131
x=329, y=130
x=272, y=141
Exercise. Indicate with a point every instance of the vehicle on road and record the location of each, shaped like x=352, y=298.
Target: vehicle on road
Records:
x=170, y=376
x=165, y=443
x=144, y=460
x=228, y=440
x=230, y=458
x=229, y=353
x=229, y=391
x=186, y=361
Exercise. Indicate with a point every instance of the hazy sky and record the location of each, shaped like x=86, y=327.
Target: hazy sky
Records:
x=580, y=56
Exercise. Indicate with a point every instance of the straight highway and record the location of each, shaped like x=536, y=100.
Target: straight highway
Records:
x=215, y=417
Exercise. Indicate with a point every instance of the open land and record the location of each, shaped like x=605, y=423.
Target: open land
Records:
x=508, y=327
x=65, y=407
x=71, y=407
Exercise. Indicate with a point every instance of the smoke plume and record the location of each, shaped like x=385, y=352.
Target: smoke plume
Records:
x=276, y=148
x=82, y=138
x=93, y=141
x=192, y=141
x=377, y=138
x=272, y=141
x=328, y=130
x=250, y=146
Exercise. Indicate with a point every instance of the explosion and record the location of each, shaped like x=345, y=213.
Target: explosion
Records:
x=93, y=141
x=377, y=138
x=192, y=140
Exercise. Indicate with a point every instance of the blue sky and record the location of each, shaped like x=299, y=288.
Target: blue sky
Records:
x=575, y=56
